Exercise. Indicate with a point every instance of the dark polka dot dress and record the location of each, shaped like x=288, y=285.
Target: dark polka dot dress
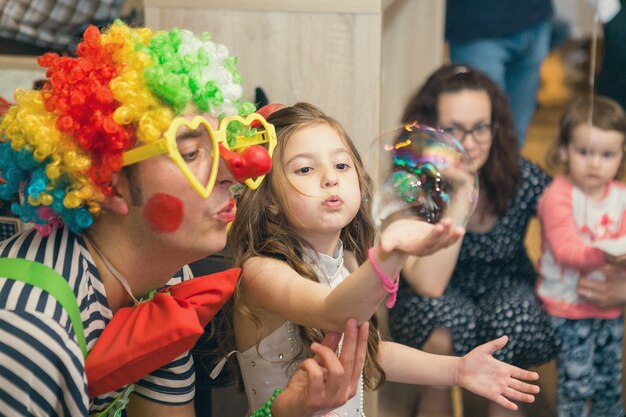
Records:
x=491, y=292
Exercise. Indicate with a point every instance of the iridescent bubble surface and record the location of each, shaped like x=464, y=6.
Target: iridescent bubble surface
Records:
x=422, y=172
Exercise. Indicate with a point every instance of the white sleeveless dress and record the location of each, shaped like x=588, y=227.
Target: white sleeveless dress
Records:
x=270, y=364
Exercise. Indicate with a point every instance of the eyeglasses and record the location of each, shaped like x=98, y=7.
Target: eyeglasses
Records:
x=481, y=133
x=196, y=149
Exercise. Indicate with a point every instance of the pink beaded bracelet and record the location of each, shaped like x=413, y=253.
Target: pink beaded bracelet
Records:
x=390, y=285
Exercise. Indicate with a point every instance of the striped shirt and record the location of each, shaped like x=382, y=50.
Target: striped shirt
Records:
x=41, y=365
x=52, y=23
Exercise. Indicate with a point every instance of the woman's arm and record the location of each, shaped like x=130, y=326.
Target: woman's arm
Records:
x=478, y=372
x=273, y=286
x=429, y=276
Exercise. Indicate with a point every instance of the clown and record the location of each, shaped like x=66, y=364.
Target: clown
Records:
x=123, y=91
x=125, y=162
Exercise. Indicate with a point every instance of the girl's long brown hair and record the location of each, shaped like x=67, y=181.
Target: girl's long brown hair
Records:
x=261, y=228
x=500, y=176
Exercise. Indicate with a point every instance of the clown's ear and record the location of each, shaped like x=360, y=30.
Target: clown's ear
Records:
x=122, y=196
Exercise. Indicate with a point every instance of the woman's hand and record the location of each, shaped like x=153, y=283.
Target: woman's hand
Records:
x=618, y=261
x=605, y=294
x=497, y=381
x=418, y=238
x=326, y=381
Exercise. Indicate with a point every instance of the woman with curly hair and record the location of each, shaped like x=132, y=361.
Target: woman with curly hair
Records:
x=481, y=287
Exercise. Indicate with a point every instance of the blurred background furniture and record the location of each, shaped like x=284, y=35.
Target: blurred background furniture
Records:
x=9, y=226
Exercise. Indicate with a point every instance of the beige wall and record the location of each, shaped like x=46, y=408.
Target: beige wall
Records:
x=357, y=59
x=129, y=5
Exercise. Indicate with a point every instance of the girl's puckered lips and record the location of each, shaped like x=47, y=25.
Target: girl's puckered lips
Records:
x=334, y=201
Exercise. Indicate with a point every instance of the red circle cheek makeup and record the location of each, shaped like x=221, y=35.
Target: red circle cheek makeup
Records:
x=163, y=212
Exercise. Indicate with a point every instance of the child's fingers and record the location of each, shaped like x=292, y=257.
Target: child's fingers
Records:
x=443, y=225
x=524, y=387
x=419, y=238
x=494, y=345
x=441, y=236
x=450, y=238
x=413, y=236
x=403, y=233
x=359, y=357
x=502, y=401
x=523, y=374
x=515, y=395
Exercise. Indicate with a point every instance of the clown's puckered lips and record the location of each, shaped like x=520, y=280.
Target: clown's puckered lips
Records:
x=227, y=214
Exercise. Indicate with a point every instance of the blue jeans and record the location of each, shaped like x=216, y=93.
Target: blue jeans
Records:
x=513, y=62
x=611, y=80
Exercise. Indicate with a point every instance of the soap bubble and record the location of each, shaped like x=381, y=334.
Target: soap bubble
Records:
x=418, y=171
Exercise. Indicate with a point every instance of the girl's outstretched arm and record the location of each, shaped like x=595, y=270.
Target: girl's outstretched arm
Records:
x=274, y=287
x=478, y=372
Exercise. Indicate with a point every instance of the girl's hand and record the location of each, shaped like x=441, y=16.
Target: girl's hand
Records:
x=497, y=381
x=418, y=238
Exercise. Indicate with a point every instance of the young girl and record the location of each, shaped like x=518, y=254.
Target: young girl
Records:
x=300, y=240
x=584, y=206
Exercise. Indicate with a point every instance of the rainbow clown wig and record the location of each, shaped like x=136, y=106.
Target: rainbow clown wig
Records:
x=60, y=146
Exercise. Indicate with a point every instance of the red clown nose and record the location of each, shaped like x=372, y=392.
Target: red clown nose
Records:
x=251, y=163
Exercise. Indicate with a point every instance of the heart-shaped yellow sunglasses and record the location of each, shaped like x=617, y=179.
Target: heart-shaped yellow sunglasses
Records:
x=247, y=166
